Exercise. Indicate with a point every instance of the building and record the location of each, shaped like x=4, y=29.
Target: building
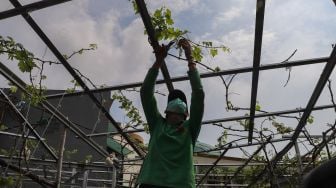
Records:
x=82, y=160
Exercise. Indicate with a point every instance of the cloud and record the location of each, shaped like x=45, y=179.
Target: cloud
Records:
x=229, y=15
x=176, y=6
x=70, y=27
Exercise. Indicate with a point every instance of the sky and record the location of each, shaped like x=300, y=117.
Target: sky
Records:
x=124, y=54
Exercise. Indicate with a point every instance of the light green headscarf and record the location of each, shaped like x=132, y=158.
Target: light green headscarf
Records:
x=177, y=106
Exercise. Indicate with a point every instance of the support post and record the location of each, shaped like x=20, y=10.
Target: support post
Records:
x=60, y=158
x=114, y=176
x=85, y=178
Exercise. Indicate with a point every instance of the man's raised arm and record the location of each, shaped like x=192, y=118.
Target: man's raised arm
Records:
x=147, y=90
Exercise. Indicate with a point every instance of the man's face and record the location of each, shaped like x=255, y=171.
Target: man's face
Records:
x=174, y=118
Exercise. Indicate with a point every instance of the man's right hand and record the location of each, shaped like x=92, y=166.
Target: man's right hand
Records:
x=184, y=43
x=161, y=53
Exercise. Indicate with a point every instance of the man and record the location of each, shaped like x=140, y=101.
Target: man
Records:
x=169, y=162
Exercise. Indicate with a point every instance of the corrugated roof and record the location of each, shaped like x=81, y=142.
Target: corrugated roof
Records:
x=116, y=147
x=200, y=146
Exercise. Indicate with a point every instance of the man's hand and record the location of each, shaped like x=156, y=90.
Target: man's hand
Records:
x=186, y=47
x=161, y=53
x=187, y=50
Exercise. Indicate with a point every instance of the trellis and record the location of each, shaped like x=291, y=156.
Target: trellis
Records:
x=255, y=70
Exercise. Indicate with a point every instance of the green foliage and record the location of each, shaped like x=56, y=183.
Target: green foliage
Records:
x=257, y=107
x=15, y=51
x=127, y=105
x=3, y=127
x=31, y=143
x=87, y=159
x=217, y=69
x=213, y=52
x=93, y=46
x=281, y=128
x=229, y=106
x=162, y=23
x=68, y=153
x=244, y=123
x=310, y=120
x=197, y=53
x=146, y=128
x=37, y=94
x=222, y=139
x=6, y=181
x=135, y=6
x=3, y=152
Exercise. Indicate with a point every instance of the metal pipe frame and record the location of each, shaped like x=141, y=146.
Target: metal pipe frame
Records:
x=249, y=159
x=114, y=133
x=48, y=162
x=78, y=79
x=19, y=135
x=316, y=150
x=30, y=8
x=259, y=25
x=329, y=67
x=276, y=113
x=203, y=75
x=255, y=69
x=9, y=75
x=30, y=127
x=245, y=145
x=213, y=165
x=42, y=181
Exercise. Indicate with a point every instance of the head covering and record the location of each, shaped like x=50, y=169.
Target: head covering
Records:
x=176, y=93
x=177, y=106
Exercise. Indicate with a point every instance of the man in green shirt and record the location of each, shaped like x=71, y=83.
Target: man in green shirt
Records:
x=169, y=162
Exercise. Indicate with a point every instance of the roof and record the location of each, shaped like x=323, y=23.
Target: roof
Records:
x=200, y=146
x=117, y=147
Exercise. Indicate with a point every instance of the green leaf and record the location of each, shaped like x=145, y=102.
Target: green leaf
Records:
x=197, y=53
x=213, y=52
x=135, y=7
x=226, y=49
x=93, y=46
x=70, y=90
x=310, y=120
x=13, y=89
x=3, y=127
x=257, y=107
x=158, y=13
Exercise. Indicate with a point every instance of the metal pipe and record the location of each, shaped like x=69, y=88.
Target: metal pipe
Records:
x=203, y=75
x=30, y=8
x=19, y=135
x=312, y=101
x=249, y=159
x=259, y=25
x=213, y=165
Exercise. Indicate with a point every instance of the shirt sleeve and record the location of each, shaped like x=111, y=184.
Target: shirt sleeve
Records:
x=197, y=104
x=148, y=100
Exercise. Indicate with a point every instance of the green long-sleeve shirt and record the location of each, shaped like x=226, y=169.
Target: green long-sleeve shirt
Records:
x=169, y=161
